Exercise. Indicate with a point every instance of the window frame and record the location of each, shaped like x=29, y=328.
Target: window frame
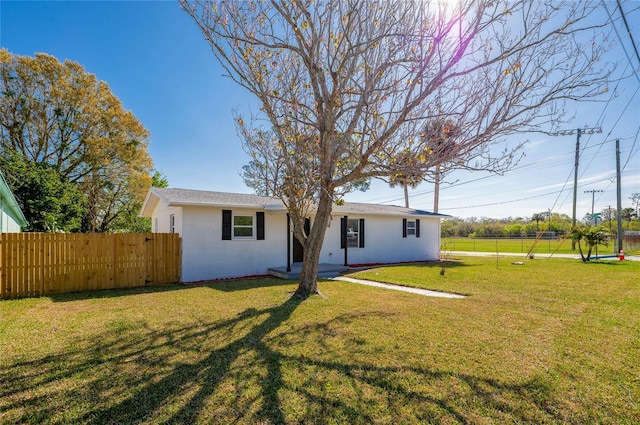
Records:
x=411, y=230
x=354, y=237
x=235, y=226
x=415, y=228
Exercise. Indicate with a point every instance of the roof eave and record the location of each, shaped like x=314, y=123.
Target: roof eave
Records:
x=17, y=213
x=149, y=205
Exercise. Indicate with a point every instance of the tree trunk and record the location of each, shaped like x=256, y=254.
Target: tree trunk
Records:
x=581, y=254
x=311, y=258
x=589, y=252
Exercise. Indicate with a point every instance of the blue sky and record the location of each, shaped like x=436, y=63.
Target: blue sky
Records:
x=156, y=61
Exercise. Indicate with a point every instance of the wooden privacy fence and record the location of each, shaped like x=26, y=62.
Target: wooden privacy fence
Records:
x=36, y=264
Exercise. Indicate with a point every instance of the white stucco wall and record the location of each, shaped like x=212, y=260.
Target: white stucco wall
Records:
x=384, y=242
x=8, y=224
x=206, y=256
x=160, y=220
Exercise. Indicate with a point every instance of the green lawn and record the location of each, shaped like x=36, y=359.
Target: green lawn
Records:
x=549, y=341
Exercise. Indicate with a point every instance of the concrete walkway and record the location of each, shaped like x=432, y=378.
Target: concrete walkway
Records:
x=425, y=292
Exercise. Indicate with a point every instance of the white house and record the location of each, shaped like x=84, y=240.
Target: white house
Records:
x=228, y=235
x=12, y=219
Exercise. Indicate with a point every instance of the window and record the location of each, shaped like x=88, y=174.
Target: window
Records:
x=242, y=226
x=172, y=223
x=239, y=226
x=411, y=228
x=353, y=232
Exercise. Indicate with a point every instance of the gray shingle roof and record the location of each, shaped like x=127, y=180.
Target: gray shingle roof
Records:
x=206, y=198
x=380, y=209
x=184, y=197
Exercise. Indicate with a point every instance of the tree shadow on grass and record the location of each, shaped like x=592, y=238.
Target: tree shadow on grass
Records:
x=235, y=285
x=250, y=369
x=222, y=285
x=114, y=293
x=607, y=263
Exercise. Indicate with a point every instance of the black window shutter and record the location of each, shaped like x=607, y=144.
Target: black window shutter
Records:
x=260, y=225
x=361, y=233
x=226, y=225
x=417, y=228
x=343, y=232
x=404, y=227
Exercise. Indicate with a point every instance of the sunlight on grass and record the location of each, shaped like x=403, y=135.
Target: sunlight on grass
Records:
x=547, y=341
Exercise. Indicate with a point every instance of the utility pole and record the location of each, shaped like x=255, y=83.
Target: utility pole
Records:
x=578, y=132
x=619, y=195
x=593, y=197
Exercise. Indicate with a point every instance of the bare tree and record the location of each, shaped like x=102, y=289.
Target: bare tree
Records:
x=264, y=173
x=347, y=85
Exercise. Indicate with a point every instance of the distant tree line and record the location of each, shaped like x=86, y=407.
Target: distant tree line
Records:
x=516, y=227
x=507, y=227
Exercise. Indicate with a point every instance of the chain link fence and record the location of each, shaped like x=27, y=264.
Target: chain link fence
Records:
x=545, y=244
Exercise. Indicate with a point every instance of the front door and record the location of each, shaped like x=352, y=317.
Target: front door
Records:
x=298, y=249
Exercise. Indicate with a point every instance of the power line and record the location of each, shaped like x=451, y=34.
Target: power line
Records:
x=560, y=193
x=514, y=171
x=631, y=153
x=593, y=197
x=578, y=132
x=519, y=199
x=614, y=124
x=624, y=49
x=501, y=202
x=608, y=102
x=626, y=24
x=609, y=180
x=599, y=146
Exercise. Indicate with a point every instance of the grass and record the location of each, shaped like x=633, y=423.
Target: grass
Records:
x=549, y=341
x=523, y=245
